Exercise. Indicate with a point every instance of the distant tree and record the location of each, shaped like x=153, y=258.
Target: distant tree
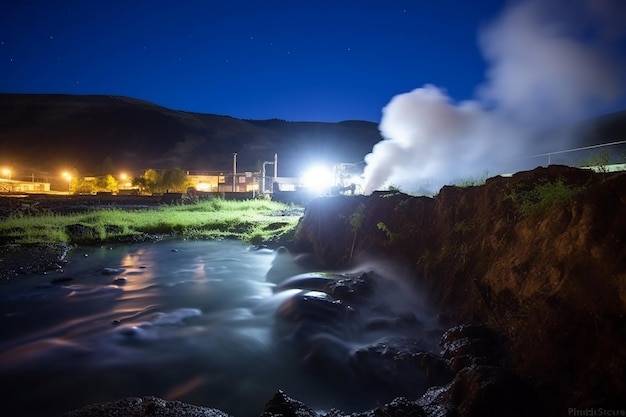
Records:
x=174, y=179
x=83, y=185
x=140, y=182
x=106, y=183
x=153, y=181
x=90, y=185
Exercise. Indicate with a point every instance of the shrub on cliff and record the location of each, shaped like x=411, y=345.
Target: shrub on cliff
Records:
x=543, y=196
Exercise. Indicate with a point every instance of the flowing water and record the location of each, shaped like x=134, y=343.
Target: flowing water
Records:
x=188, y=321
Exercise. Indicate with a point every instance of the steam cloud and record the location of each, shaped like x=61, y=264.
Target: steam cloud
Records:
x=549, y=63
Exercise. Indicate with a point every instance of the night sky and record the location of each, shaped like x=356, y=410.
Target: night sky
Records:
x=306, y=60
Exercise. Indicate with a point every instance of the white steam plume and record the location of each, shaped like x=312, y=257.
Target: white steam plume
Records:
x=549, y=63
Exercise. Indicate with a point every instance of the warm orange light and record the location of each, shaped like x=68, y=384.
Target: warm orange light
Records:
x=6, y=172
x=68, y=177
x=125, y=180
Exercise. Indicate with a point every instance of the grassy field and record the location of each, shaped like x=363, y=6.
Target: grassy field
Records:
x=254, y=221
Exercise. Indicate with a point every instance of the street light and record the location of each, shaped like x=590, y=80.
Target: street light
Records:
x=125, y=180
x=7, y=173
x=68, y=177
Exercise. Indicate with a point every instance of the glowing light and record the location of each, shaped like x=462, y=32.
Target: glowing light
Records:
x=125, y=180
x=203, y=186
x=6, y=172
x=68, y=177
x=318, y=179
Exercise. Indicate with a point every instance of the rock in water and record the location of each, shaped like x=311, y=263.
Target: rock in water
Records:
x=283, y=406
x=145, y=407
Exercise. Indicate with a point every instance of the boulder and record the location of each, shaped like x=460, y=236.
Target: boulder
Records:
x=283, y=406
x=145, y=407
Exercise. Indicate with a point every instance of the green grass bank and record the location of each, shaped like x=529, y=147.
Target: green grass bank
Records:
x=253, y=221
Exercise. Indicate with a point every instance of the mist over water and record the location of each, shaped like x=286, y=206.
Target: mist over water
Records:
x=188, y=321
x=550, y=63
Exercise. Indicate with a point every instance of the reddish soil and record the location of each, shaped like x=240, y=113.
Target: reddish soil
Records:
x=554, y=283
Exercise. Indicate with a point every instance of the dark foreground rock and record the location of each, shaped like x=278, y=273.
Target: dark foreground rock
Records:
x=283, y=406
x=145, y=407
x=469, y=379
x=31, y=258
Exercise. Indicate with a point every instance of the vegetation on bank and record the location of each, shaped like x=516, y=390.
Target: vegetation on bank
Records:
x=538, y=199
x=254, y=221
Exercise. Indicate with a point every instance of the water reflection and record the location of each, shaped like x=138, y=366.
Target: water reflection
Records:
x=189, y=321
x=151, y=317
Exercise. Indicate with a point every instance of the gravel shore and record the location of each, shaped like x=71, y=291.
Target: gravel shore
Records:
x=21, y=259
x=16, y=260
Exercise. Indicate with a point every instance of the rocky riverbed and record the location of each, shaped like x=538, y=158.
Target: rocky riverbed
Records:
x=32, y=258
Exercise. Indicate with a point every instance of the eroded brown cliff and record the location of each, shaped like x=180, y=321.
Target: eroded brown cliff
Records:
x=539, y=256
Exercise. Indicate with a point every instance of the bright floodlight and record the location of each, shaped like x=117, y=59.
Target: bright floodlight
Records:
x=318, y=179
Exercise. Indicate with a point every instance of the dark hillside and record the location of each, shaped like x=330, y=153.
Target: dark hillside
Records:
x=52, y=132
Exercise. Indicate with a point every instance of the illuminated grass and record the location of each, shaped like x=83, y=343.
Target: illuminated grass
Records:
x=254, y=221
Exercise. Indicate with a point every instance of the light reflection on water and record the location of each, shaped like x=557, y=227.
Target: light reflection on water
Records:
x=184, y=320
x=188, y=321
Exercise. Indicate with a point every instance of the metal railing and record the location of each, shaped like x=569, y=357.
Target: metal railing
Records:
x=583, y=148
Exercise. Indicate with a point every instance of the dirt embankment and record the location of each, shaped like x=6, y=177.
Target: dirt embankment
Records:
x=37, y=204
x=540, y=256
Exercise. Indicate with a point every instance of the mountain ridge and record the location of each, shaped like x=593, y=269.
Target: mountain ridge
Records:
x=83, y=131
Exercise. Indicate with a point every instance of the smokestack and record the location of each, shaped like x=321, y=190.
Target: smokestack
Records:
x=234, y=172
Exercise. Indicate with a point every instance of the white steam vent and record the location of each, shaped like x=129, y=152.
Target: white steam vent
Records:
x=550, y=63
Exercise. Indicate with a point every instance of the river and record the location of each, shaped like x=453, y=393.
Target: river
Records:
x=181, y=320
